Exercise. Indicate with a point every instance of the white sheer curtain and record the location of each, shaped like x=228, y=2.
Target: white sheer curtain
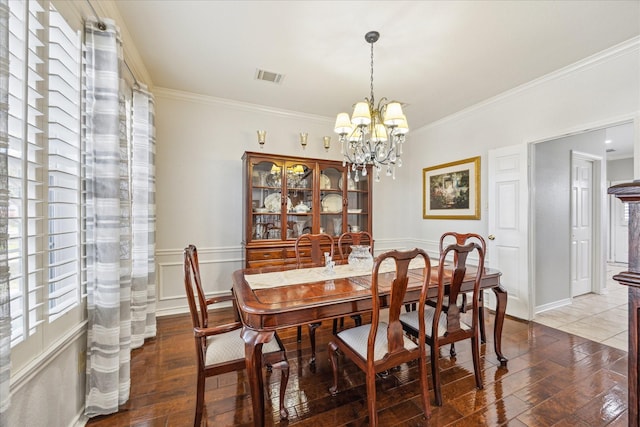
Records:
x=5, y=315
x=120, y=171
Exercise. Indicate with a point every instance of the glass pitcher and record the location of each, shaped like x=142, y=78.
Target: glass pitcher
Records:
x=360, y=258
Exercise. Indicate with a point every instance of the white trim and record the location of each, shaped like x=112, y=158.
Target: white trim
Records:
x=184, y=309
x=161, y=296
x=590, y=61
x=44, y=359
x=552, y=305
x=587, y=127
x=201, y=250
x=239, y=105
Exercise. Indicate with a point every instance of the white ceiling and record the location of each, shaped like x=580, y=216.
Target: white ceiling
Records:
x=438, y=57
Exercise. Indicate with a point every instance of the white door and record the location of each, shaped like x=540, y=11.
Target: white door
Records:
x=581, y=225
x=508, y=203
x=619, y=220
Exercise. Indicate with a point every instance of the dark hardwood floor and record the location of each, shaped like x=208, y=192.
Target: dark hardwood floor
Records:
x=552, y=379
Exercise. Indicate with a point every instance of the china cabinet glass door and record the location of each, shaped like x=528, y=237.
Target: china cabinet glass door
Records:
x=331, y=200
x=299, y=190
x=266, y=200
x=358, y=203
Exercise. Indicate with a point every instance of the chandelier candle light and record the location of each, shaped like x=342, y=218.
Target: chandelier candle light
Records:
x=373, y=135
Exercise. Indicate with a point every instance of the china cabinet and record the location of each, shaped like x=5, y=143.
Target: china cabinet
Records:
x=289, y=196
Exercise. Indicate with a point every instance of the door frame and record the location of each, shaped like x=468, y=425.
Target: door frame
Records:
x=598, y=258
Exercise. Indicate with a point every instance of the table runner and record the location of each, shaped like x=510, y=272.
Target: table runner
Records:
x=317, y=274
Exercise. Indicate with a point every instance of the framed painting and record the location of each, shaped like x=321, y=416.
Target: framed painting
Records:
x=452, y=190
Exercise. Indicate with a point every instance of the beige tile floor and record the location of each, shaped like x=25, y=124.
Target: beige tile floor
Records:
x=601, y=318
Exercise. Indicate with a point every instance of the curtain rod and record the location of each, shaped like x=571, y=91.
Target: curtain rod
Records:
x=102, y=26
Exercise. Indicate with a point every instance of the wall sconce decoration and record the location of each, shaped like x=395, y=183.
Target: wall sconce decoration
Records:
x=326, y=141
x=262, y=136
x=303, y=139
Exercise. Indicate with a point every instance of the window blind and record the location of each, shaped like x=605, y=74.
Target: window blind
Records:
x=64, y=155
x=25, y=172
x=45, y=172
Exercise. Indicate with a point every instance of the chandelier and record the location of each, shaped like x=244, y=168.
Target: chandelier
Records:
x=373, y=135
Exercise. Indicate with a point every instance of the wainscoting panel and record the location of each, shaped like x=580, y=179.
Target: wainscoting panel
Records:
x=216, y=268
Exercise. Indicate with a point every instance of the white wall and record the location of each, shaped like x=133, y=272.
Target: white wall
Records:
x=620, y=170
x=604, y=89
x=200, y=142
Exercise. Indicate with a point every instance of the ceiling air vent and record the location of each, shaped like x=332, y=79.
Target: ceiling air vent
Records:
x=269, y=76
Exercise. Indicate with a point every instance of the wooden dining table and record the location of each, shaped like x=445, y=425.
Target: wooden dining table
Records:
x=274, y=298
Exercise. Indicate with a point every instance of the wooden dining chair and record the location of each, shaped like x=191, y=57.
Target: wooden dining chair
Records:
x=462, y=239
x=219, y=348
x=344, y=248
x=380, y=346
x=310, y=249
x=353, y=238
x=447, y=327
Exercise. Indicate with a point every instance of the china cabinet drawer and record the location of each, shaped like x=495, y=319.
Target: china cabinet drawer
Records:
x=265, y=254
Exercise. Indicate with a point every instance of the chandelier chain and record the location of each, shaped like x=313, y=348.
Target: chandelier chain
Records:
x=372, y=100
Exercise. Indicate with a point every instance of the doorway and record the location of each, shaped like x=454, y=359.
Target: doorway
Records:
x=560, y=256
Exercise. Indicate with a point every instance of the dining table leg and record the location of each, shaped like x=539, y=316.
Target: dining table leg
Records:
x=253, y=341
x=501, y=308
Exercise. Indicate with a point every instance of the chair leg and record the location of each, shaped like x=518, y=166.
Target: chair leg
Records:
x=424, y=385
x=483, y=333
x=333, y=358
x=199, y=400
x=312, y=338
x=371, y=399
x=357, y=319
x=452, y=350
x=435, y=374
x=475, y=350
x=284, y=379
x=299, y=334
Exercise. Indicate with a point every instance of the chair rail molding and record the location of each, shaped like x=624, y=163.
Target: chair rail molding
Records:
x=216, y=263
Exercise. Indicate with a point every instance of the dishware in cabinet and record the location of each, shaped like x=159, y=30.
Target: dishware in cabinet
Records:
x=358, y=205
x=286, y=196
x=332, y=198
x=299, y=176
x=264, y=193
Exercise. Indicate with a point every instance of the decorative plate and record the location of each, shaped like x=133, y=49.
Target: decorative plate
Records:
x=350, y=186
x=354, y=211
x=332, y=203
x=325, y=182
x=272, y=202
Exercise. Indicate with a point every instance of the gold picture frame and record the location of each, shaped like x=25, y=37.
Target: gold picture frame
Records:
x=452, y=190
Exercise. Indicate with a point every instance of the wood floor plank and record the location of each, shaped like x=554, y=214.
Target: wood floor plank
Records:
x=552, y=378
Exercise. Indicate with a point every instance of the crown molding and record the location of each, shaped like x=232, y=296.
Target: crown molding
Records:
x=624, y=48
x=238, y=105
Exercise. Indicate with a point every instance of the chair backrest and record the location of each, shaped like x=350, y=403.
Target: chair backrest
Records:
x=193, y=287
x=452, y=279
x=318, y=244
x=395, y=333
x=461, y=239
x=353, y=238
